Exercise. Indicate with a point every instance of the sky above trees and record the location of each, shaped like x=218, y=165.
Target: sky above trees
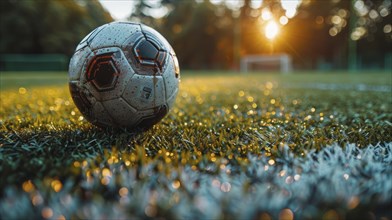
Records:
x=119, y=9
x=122, y=9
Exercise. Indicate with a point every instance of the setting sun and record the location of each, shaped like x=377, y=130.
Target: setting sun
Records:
x=271, y=30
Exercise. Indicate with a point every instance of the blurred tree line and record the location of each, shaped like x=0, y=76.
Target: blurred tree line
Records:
x=47, y=26
x=320, y=34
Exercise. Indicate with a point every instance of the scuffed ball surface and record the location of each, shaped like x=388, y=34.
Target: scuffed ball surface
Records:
x=124, y=75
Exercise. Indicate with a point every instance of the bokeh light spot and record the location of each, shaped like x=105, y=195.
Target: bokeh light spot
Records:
x=271, y=30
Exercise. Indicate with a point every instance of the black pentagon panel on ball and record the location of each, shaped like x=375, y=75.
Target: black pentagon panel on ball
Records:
x=105, y=73
x=146, y=50
x=159, y=113
x=102, y=72
x=153, y=36
x=150, y=56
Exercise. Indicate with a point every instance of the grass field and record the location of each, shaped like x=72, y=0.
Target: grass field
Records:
x=254, y=146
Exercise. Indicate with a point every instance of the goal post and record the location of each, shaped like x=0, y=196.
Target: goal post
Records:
x=273, y=62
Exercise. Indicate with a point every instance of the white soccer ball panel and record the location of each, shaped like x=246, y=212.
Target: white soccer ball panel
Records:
x=121, y=112
x=90, y=36
x=114, y=34
x=145, y=113
x=76, y=63
x=170, y=101
x=145, y=92
x=171, y=80
x=77, y=88
x=101, y=116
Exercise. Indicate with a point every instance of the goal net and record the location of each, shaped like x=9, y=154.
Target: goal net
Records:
x=275, y=62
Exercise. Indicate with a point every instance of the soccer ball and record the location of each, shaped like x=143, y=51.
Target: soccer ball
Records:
x=124, y=75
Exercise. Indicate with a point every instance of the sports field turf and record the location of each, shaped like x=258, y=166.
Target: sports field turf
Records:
x=235, y=146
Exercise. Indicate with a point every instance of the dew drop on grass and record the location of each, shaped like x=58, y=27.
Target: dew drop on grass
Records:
x=22, y=90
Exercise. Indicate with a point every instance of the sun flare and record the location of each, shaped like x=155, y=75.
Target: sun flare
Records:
x=271, y=30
